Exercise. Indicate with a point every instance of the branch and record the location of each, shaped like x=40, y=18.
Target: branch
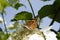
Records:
x=59, y=28
x=53, y=20
x=4, y=22
x=31, y=8
x=33, y=13
x=44, y=36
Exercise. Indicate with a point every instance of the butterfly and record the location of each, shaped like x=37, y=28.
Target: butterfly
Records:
x=31, y=24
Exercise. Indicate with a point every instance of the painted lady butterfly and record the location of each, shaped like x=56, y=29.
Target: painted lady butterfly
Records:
x=31, y=24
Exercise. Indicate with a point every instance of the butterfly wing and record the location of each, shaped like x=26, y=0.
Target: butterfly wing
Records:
x=31, y=24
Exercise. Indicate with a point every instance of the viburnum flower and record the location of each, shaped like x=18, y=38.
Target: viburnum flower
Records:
x=36, y=34
x=49, y=35
x=36, y=37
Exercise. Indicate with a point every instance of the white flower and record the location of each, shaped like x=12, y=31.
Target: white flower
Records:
x=46, y=29
x=49, y=35
x=1, y=20
x=36, y=37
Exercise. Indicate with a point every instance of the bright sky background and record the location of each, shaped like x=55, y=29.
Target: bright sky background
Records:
x=37, y=4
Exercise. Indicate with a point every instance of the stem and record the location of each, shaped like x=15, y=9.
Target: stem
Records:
x=31, y=8
x=44, y=36
x=33, y=12
x=53, y=20
x=59, y=28
x=4, y=22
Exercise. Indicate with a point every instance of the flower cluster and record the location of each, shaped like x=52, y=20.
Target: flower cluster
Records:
x=36, y=34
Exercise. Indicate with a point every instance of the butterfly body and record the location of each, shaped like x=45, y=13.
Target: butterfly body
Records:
x=31, y=24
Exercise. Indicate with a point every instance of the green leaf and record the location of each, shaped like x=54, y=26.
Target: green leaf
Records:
x=58, y=36
x=51, y=11
x=12, y=2
x=45, y=11
x=1, y=34
x=17, y=5
x=6, y=36
x=22, y=16
x=3, y=4
x=0, y=29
